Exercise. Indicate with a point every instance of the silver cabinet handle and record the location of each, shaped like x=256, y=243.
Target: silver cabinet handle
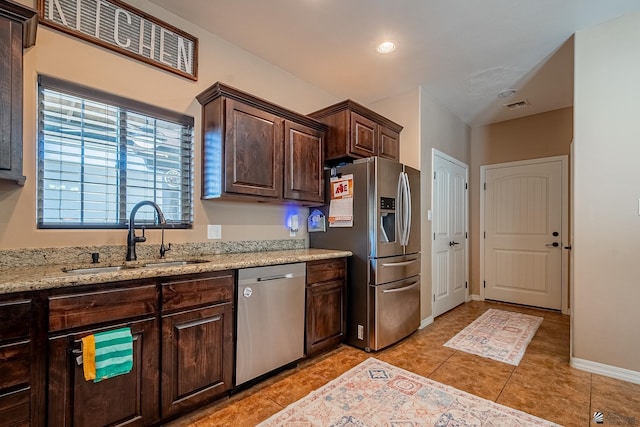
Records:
x=405, y=288
x=399, y=264
x=281, y=276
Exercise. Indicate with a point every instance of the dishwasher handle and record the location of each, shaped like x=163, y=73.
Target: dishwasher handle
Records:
x=278, y=277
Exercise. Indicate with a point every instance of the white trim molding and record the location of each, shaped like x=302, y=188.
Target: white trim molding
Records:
x=426, y=322
x=476, y=297
x=606, y=370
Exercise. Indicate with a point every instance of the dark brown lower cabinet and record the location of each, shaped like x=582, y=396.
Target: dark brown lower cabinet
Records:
x=124, y=400
x=15, y=407
x=196, y=357
x=326, y=299
x=197, y=339
x=19, y=364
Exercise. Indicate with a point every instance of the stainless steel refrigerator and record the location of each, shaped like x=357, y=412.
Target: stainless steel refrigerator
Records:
x=383, y=287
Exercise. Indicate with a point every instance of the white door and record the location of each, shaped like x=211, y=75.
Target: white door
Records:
x=523, y=233
x=449, y=225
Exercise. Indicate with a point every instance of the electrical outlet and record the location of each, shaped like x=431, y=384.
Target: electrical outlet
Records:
x=360, y=332
x=214, y=231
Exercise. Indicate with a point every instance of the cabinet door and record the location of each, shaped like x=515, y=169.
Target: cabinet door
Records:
x=14, y=408
x=253, y=151
x=10, y=91
x=197, y=357
x=388, y=143
x=130, y=399
x=363, y=136
x=303, y=166
x=325, y=315
x=16, y=388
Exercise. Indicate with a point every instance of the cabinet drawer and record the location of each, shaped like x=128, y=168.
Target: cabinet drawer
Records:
x=15, y=367
x=325, y=270
x=70, y=311
x=15, y=408
x=181, y=294
x=15, y=319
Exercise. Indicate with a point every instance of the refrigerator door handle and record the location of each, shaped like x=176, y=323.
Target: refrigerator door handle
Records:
x=400, y=209
x=407, y=226
x=399, y=264
x=404, y=288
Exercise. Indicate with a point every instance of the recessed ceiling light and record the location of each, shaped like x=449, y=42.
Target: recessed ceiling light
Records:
x=507, y=93
x=386, y=46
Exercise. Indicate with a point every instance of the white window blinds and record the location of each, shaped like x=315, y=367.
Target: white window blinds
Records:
x=99, y=155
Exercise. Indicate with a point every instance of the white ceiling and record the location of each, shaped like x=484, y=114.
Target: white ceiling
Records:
x=462, y=52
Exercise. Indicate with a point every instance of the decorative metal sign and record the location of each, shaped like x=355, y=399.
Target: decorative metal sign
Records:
x=122, y=28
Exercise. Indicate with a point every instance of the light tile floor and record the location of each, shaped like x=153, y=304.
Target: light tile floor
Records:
x=543, y=384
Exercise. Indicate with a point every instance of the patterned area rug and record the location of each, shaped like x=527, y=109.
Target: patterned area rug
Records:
x=375, y=393
x=497, y=334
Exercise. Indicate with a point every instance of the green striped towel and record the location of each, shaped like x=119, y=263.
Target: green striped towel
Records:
x=114, y=353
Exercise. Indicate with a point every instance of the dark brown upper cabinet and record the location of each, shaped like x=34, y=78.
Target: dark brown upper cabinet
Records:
x=355, y=131
x=17, y=32
x=255, y=150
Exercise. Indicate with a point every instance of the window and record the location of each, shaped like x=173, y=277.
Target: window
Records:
x=99, y=155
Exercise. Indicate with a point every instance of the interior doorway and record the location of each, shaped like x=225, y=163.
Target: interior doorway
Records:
x=450, y=267
x=524, y=229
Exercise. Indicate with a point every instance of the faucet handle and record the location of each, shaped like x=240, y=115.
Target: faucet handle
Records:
x=164, y=249
x=139, y=239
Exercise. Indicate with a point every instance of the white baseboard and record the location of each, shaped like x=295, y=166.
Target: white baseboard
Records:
x=476, y=297
x=426, y=322
x=606, y=370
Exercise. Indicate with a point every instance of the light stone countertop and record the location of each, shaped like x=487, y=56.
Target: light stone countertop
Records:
x=32, y=278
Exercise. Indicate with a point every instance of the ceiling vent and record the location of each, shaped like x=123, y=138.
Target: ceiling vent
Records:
x=517, y=105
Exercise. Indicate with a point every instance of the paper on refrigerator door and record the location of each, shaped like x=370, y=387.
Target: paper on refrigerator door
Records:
x=341, y=213
x=341, y=204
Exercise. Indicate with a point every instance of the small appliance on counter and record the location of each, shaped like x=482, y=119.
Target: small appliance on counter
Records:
x=381, y=227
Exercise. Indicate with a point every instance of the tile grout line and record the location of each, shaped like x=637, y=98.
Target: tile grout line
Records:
x=506, y=382
x=517, y=366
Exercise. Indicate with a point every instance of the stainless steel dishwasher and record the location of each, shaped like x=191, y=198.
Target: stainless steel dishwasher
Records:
x=271, y=307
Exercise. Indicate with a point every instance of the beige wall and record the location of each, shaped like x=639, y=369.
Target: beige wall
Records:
x=403, y=109
x=606, y=319
x=427, y=125
x=541, y=135
x=442, y=130
x=66, y=57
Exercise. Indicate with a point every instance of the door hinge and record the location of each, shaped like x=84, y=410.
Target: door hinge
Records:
x=434, y=298
x=484, y=283
x=466, y=285
x=434, y=236
x=466, y=187
x=485, y=186
x=466, y=236
x=484, y=234
x=434, y=175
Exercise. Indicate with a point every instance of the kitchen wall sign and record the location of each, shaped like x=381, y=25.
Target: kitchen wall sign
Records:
x=122, y=28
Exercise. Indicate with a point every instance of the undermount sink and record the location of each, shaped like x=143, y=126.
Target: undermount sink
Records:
x=110, y=269
x=171, y=263
x=93, y=270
